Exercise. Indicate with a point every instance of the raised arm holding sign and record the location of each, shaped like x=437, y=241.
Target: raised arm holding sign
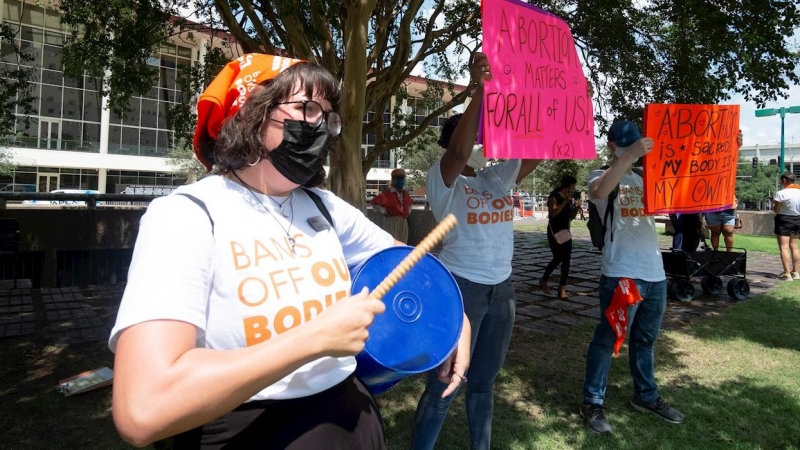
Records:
x=692, y=167
x=537, y=104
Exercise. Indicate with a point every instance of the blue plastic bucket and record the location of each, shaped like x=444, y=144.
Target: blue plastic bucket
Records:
x=421, y=325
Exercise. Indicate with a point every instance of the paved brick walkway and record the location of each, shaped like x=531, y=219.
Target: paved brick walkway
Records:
x=549, y=315
x=86, y=314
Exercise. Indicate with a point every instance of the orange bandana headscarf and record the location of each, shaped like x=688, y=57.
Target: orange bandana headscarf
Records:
x=229, y=90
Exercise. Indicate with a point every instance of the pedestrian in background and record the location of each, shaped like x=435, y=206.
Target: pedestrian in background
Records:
x=395, y=204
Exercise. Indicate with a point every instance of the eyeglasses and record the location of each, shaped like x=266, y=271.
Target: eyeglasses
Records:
x=313, y=114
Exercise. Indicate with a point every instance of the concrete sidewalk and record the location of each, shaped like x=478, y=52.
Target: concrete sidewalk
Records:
x=87, y=314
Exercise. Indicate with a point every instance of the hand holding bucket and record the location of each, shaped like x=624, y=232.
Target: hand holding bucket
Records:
x=424, y=312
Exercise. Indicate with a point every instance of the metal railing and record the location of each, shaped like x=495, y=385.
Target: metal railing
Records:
x=91, y=201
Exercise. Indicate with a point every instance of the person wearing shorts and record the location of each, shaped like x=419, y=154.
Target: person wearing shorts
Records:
x=786, y=205
x=722, y=222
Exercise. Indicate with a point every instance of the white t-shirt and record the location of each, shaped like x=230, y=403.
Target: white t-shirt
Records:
x=790, y=198
x=481, y=245
x=242, y=284
x=634, y=253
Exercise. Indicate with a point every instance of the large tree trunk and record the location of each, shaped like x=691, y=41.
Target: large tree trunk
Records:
x=345, y=179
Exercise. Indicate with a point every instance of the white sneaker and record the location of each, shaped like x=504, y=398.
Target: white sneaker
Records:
x=795, y=276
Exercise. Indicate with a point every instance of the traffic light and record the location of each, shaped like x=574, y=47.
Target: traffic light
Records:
x=755, y=162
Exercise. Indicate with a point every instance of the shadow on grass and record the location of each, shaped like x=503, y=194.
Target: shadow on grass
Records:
x=33, y=413
x=538, y=394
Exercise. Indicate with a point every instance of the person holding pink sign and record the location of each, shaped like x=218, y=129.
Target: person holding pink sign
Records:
x=478, y=252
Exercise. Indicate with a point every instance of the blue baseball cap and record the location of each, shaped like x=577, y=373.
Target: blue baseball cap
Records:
x=624, y=133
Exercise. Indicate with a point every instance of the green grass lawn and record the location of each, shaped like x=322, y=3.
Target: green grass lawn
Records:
x=736, y=377
x=749, y=242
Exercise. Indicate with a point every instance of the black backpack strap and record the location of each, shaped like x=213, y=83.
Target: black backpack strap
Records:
x=202, y=205
x=321, y=206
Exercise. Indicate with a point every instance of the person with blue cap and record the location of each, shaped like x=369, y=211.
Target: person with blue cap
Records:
x=631, y=251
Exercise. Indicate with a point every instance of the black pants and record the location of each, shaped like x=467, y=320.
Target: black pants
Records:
x=342, y=417
x=562, y=254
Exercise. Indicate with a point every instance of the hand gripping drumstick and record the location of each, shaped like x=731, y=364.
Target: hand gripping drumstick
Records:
x=419, y=251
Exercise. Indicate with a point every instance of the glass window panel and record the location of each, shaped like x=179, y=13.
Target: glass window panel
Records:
x=153, y=61
x=167, y=95
x=33, y=15
x=91, y=106
x=50, y=101
x=178, y=97
x=130, y=136
x=168, y=61
x=184, y=52
x=11, y=10
x=91, y=83
x=72, y=82
x=168, y=48
x=91, y=133
x=149, y=113
x=31, y=34
x=147, y=138
x=67, y=181
x=171, y=82
x=164, y=142
x=8, y=54
x=27, y=126
x=52, y=77
x=73, y=103
x=114, y=136
x=115, y=118
x=33, y=92
x=52, y=58
x=71, y=132
x=52, y=20
x=89, y=180
x=132, y=117
x=153, y=94
x=32, y=49
x=163, y=108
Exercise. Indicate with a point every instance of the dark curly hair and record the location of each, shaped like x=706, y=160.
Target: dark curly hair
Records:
x=447, y=130
x=240, y=139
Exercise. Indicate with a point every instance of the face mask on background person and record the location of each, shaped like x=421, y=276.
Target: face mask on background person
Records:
x=302, y=153
x=399, y=183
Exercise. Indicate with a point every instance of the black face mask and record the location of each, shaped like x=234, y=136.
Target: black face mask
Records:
x=302, y=153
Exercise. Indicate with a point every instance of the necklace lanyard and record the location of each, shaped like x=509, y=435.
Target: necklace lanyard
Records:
x=285, y=230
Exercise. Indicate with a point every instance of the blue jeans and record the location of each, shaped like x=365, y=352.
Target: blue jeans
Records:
x=490, y=310
x=643, y=331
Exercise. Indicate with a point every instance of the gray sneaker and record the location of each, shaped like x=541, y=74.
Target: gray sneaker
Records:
x=659, y=408
x=595, y=416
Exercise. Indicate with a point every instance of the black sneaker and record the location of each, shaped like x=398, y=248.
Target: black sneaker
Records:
x=595, y=416
x=658, y=407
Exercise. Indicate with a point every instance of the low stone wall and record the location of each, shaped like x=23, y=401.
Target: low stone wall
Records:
x=759, y=223
x=420, y=223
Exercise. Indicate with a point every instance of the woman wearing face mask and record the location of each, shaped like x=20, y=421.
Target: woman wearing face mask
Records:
x=237, y=327
x=478, y=252
x=395, y=203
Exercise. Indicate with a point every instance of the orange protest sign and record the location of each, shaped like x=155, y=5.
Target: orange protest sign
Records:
x=692, y=167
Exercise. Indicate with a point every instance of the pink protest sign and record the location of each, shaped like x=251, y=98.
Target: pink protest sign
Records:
x=537, y=105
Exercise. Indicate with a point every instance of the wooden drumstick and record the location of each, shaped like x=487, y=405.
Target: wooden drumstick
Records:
x=419, y=251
